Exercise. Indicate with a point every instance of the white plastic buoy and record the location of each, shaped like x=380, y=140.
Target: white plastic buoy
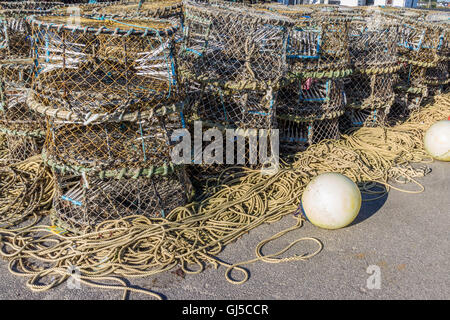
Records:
x=331, y=201
x=437, y=140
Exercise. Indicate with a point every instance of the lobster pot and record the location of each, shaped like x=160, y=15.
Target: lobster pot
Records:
x=406, y=102
x=83, y=202
x=23, y=128
x=297, y=135
x=437, y=77
x=369, y=98
x=13, y=37
x=20, y=147
x=307, y=111
x=140, y=143
x=366, y=117
x=373, y=43
x=246, y=109
x=319, y=45
x=311, y=98
x=412, y=77
x=420, y=42
x=166, y=9
x=410, y=90
x=92, y=66
x=233, y=46
x=29, y=5
x=154, y=8
x=14, y=30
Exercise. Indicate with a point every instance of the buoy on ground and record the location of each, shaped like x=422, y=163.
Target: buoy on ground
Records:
x=331, y=201
x=437, y=140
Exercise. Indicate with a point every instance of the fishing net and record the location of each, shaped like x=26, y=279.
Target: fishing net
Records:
x=82, y=202
x=101, y=69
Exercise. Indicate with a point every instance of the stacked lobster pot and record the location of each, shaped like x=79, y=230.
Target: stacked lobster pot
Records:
x=22, y=128
x=232, y=60
x=373, y=52
x=109, y=91
x=311, y=99
x=418, y=46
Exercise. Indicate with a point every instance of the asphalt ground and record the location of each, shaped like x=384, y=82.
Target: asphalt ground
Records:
x=402, y=239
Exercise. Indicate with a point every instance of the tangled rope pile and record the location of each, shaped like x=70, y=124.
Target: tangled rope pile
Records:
x=195, y=234
x=26, y=188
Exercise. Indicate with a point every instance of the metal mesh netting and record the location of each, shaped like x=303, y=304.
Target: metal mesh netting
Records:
x=106, y=66
x=81, y=203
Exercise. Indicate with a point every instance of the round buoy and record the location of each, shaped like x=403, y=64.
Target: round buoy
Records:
x=331, y=201
x=437, y=140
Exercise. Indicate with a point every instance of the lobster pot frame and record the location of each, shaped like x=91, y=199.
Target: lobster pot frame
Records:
x=140, y=143
x=297, y=135
x=233, y=47
x=246, y=109
x=97, y=68
x=84, y=7
x=81, y=203
x=23, y=128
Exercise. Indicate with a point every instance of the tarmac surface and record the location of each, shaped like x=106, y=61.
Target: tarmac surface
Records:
x=402, y=239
